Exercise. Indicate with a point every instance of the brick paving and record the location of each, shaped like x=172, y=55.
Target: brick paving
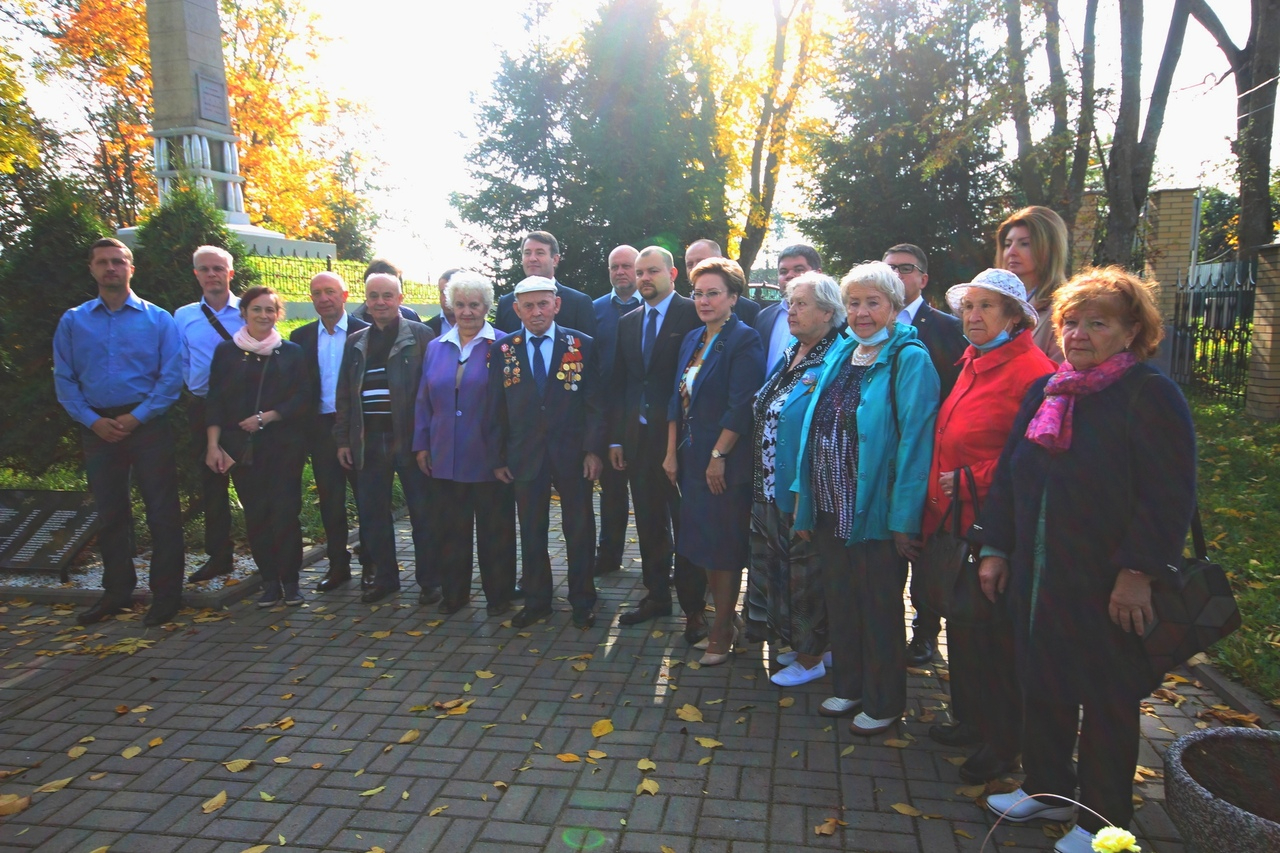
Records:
x=354, y=680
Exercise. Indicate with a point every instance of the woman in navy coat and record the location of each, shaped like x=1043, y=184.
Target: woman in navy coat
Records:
x=1091, y=501
x=449, y=442
x=720, y=368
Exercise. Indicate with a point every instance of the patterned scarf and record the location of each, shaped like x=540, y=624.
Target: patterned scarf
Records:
x=249, y=343
x=1051, y=426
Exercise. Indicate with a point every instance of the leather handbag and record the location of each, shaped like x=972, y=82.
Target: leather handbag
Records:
x=1194, y=608
x=237, y=443
x=949, y=565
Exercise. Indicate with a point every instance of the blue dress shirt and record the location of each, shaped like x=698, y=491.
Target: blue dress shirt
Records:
x=104, y=358
x=199, y=339
x=546, y=348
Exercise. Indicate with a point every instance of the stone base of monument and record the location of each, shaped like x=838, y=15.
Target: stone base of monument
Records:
x=1222, y=789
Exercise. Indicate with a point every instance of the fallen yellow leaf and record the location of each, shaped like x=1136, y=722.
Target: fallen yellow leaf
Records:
x=56, y=785
x=972, y=791
x=155, y=741
x=656, y=634
x=215, y=802
x=828, y=826
x=647, y=786
x=704, y=760
x=909, y=811
x=501, y=785
x=689, y=713
x=237, y=765
x=367, y=664
x=103, y=849
x=380, y=635
x=410, y=736
x=266, y=797
x=568, y=757
x=282, y=759
x=12, y=804
x=597, y=753
x=795, y=754
x=286, y=696
x=897, y=743
x=94, y=777
x=962, y=833
x=786, y=701
x=372, y=791
x=848, y=750
x=708, y=742
x=260, y=848
x=580, y=667
x=141, y=709
x=483, y=673
x=665, y=849
x=600, y=728
x=437, y=810
x=76, y=751
x=132, y=751
x=646, y=764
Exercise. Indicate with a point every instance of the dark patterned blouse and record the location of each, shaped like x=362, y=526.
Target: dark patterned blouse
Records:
x=768, y=405
x=834, y=440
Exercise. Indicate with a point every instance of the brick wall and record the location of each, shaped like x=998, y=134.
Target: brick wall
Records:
x=1263, y=397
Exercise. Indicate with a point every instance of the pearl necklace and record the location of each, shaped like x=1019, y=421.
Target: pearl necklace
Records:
x=862, y=356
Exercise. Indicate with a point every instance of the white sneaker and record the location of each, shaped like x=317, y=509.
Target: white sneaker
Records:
x=789, y=657
x=866, y=725
x=1076, y=841
x=1017, y=807
x=796, y=674
x=837, y=707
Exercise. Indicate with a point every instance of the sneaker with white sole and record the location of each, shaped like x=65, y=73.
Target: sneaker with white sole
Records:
x=1017, y=807
x=789, y=657
x=292, y=595
x=270, y=597
x=797, y=674
x=837, y=707
x=1078, y=840
x=866, y=725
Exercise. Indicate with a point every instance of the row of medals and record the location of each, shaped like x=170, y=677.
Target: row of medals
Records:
x=570, y=372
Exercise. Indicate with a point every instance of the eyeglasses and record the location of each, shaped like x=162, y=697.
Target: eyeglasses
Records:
x=904, y=269
x=706, y=294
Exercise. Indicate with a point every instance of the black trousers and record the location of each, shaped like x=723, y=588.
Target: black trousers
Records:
x=984, y=682
x=1109, y=735
x=147, y=456
x=613, y=516
x=332, y=481
x=462, y=506
x=214, y=500
x=864, y=599
x=926, y=623
x=533, y=504
x=657, y=508
x=271, y=492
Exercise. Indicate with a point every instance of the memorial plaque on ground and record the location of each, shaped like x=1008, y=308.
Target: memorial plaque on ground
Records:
x=44, y=530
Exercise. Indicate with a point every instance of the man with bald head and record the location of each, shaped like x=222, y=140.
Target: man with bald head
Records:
x=621, y=299
x=323, y=342
x=745, y=309
x=202, y=326
x=373, y=430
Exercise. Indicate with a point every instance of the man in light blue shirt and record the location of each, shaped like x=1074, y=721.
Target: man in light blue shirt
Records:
x=117, y=369
x=203, y=325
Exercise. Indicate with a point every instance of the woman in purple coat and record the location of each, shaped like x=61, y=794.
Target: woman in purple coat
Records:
x=448, y=439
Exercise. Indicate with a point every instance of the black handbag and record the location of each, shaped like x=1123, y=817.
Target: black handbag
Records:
x=237, y=443
x=1194, y=608
x=949, y=566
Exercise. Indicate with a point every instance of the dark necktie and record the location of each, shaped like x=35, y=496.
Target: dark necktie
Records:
x=539, y=366
x=650, y=335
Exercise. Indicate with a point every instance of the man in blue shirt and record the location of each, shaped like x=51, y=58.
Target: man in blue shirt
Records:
x=621, y=299
x=117, y=368
x=202, y=326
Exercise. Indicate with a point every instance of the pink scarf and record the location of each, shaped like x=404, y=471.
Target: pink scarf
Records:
x=1051, y=426
x=249, y=343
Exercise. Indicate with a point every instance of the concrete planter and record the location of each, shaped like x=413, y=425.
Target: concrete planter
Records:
x=1222, y=789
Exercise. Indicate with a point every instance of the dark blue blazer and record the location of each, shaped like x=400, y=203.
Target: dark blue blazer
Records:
x=731, y=375
x=576, y=312
x=525, y=430
x=943, y=335
x=747, y=310
x=606, y=333
x=307, y=337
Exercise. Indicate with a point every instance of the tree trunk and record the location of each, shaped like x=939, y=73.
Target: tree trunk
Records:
x=1084, y=124
x=1027, y=173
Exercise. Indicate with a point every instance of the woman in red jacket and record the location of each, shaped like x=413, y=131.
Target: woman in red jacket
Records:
x=1000, y=364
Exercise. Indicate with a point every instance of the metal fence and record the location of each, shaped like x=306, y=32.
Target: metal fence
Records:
x=290, y=276
x=1213, y=328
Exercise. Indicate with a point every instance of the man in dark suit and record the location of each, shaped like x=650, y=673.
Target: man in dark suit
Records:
x=442, y=322
x=745, y=309
x=546, y=428
x=610, y=308
x=322, y=343
x=644, y=372
x=539, y=256
x=943, y=336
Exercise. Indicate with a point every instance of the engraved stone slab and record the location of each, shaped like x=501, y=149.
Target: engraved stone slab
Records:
x=44, y=530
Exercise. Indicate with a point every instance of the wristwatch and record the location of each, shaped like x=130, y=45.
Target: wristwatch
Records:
x=716, y=454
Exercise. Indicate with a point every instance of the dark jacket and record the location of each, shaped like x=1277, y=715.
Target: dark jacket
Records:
x=943, y=335
x=632, y=382
x=1119, y=498
x=233, y=389
x=731, y=375
x=606, y=332
x=404, y=374
x=435, y=324
x=527, y=431
x=307, y=337
x=576, y=312
x=747, y=310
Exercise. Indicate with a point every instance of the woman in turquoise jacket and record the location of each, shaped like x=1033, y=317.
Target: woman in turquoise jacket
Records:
x=867, y=443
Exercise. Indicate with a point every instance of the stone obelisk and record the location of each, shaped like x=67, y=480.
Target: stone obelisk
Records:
x=191, y=120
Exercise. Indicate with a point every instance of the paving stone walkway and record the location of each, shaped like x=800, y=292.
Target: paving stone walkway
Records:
x=333, y=705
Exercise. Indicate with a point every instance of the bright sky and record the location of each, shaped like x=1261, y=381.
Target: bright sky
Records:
x=417, y=65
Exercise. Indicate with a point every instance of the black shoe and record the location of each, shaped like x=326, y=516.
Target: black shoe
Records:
x=103, y=608
x=448, y=608
x=920, y=650
x=430, y=595
x=366, y=577
x=646, y=610
x=528, y=615
x=161, y=612
x=584, y=619
x=695, y=633
x=377, y=593
x=985, y=765
x=605, y=565
x=333, y=579
x=517, y=594
x=498, y=608
x=213, y=567
x=955, y=734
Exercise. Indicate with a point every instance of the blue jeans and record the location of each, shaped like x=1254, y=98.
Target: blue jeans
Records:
x=147, y=456
x=373, y=498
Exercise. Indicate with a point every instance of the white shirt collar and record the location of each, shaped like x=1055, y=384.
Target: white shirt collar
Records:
x=341, y=324
x=908, y=315
x=486, y=333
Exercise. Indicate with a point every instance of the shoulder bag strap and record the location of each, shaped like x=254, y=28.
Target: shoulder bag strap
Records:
x=215, y=322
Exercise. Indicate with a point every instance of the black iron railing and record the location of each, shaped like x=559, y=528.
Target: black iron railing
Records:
x=1213, y=328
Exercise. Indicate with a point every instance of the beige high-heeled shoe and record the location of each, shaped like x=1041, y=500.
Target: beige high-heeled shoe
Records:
x=710, y=659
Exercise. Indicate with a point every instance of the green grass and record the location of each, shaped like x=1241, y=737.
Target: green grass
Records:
x=1239, y=490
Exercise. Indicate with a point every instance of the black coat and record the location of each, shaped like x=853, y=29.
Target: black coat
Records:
x=1119, y=498
x=576, y=312
x=233, y=387
x=943, y=335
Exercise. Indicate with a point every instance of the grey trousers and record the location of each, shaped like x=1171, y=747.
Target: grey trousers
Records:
x=864, y=584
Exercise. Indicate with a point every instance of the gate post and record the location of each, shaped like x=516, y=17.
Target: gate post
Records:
x=1171, y=218
x=1262, y=400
